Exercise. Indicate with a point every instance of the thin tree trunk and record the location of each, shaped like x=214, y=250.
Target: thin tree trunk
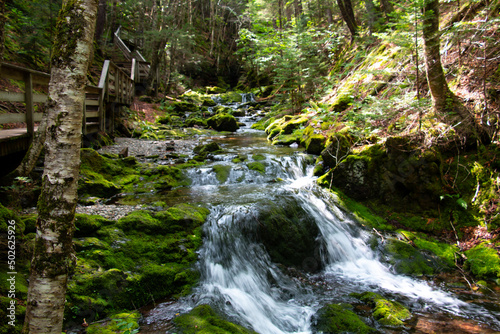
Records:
x=2, y=29
x=347, y=13
x=370, y=11
x=444, y=100
x=54, y=256
x=435, y=75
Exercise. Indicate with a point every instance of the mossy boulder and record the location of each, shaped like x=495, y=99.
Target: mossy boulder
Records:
x=386, y=312
x=342, y=102
x=315, y=144
x=257, y=166
x=336, y=318
x=483, y=261
x=208, y=102
x=406, y=259
x=181, y=108
x=204, y=320
x=214, y=90
x=195, y=121
x=142, y=221
x=87, y=225
x=289, y=234
x=338, y=146
x=204, y=149
x=222, y=172
x=7, y=216
x=223, y=122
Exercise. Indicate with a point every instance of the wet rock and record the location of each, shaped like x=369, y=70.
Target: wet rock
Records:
x=386, y=312
x=289, y=234
x=223, y=122
x=336, y=318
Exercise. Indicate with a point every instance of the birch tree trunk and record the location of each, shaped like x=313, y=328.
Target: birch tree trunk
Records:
x=54, y=258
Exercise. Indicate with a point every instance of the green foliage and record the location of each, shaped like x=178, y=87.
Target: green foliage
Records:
x=204, y=320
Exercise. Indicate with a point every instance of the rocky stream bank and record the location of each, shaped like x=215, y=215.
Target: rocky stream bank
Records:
x=432, y=212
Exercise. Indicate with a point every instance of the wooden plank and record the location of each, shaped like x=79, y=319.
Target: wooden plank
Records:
x=17, y=73
x=91, y=103
x=19, y=118
x=92, y=114
x=19, y=97
x=104, y=74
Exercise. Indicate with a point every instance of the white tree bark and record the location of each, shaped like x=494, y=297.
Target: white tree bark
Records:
x=53, y=258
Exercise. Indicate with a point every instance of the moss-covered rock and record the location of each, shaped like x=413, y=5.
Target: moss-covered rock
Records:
x=181, y=108
x=407, y=260
x=87, y=225
x=203, y=320
x=315, y=144
x=335, y=318
x=203, y=150
x=222, y=172
x=223, y=122
x=483, y=261
x=289, y=234
x=9, y=218
x=386, y=312
x=257, y=166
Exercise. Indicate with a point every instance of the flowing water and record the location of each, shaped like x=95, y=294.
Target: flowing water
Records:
x=239, y=279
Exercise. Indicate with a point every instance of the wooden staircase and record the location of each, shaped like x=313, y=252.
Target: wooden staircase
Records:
x=118, y=85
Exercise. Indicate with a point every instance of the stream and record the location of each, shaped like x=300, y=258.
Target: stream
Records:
x=239, y=279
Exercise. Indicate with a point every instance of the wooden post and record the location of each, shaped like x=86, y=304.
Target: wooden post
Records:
x=28, y=98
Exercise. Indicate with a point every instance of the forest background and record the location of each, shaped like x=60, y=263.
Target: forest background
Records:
x=355, y=68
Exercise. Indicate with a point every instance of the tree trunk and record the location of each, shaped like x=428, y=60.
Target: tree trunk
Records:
x=101, y=20
x=54, y=258
x=347, y=13
x=2, y=29
x=370, y=12
x=435, y=75
x=444, y=100
x=387, y=6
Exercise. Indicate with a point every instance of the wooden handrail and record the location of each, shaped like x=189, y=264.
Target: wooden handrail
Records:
x=115, y=86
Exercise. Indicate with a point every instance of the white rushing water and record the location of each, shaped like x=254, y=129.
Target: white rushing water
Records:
x=239, y=277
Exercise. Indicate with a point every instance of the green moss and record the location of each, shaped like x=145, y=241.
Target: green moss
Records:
x=142, y=221
x=407, y=260
x=386, y=312
x=443, y=250
x=203, y=149
x=258, y=157
x=20, y=311
x=87, y=225
x=223, y=122
x=257, y=166
x=315, y=144
x=203, y=320
x=336, y=318
x=119, y=323
x=483, y=261
x=7, y=216
x=222, y=172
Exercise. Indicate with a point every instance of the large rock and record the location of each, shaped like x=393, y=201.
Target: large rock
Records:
x=223, y=122
x=289, y=234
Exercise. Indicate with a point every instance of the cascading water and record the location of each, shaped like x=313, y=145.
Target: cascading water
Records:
x=238, y=276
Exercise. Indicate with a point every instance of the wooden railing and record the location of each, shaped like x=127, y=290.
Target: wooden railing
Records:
x=115, y=86
x=140, y=67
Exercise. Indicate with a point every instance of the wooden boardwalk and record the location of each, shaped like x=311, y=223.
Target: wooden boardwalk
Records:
x=116, y=88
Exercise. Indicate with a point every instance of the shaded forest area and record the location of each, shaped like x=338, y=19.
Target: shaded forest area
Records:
x=399, y=101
